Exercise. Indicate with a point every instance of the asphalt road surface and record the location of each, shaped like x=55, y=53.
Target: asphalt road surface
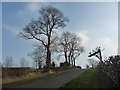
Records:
x=55, y=81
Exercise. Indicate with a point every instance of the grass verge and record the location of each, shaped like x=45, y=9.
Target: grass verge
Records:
x=17, y=80
x=88, y=79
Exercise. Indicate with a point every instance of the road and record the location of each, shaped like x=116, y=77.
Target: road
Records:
x=56, y=81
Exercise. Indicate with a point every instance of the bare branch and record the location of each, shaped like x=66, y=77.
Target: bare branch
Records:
x=50, y=18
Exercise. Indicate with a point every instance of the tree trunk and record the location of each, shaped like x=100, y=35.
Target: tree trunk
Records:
x=65, y=56
x=72, y=59
x=48, y=61
x=69, y=57
x=74, y=62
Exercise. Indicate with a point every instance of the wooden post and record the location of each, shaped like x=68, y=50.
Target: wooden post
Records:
x=97, y=54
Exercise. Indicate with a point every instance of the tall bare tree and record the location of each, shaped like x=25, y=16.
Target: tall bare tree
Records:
x=8, y=62
x=75, y=47
x=64, y=43
x=50, y=18
x=71, y=46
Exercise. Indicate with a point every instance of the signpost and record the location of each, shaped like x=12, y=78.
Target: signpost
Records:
x=96, y=53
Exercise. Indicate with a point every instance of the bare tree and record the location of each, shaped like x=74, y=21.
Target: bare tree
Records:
x=93, y=62
x=23, y=62
x=64, y=43
x=41, y=29
x=38, y=55
x=8, y=61
x=75, y=48
x=71, y=46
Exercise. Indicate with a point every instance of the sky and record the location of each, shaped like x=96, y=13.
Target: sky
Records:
x=60, y=0
x=95, y=22
x=119, y=28
x=1, y=32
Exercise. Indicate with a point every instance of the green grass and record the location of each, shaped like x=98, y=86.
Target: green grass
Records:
x=88, y=79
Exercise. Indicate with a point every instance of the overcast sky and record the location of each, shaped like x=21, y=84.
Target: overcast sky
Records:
x=96, y=23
